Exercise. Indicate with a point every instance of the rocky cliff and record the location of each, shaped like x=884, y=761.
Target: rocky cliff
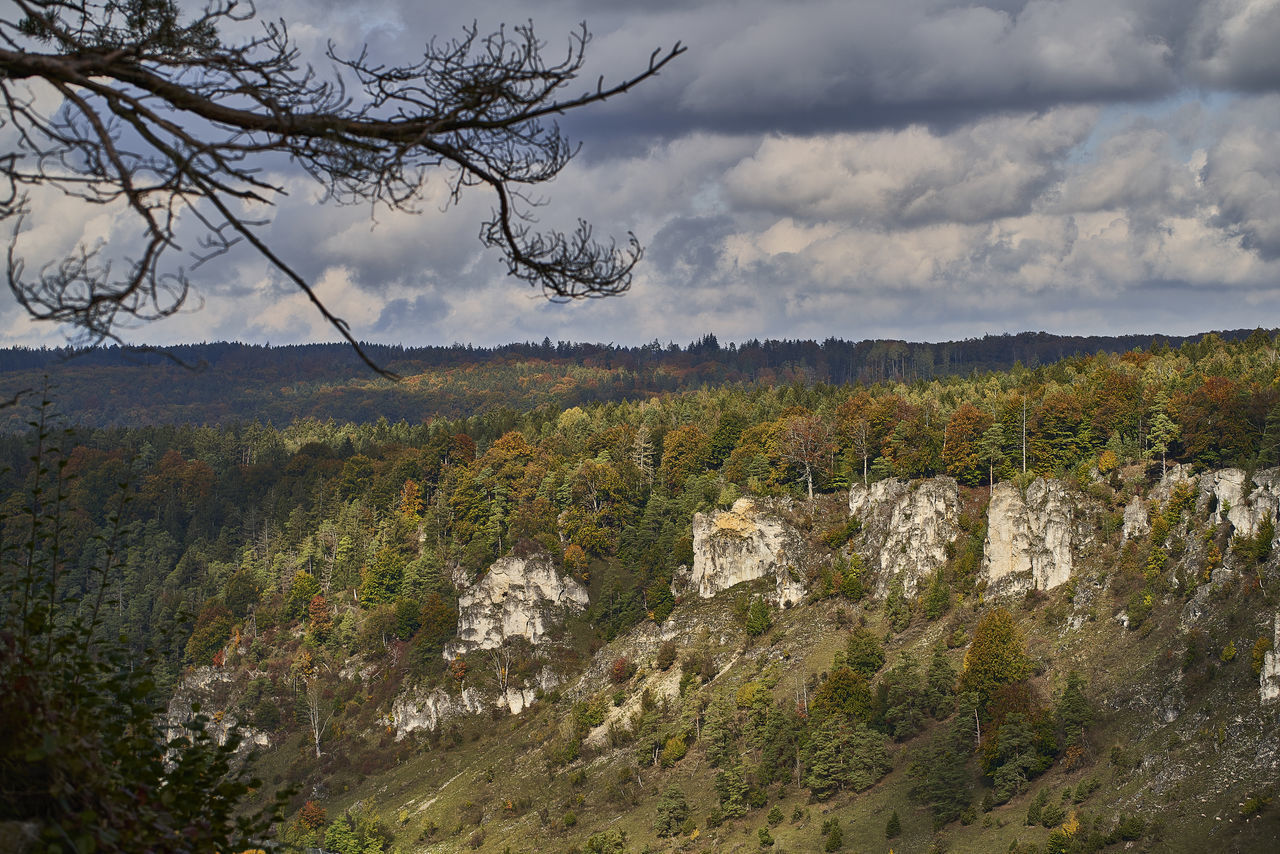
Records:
x=906, y=528
x=745, y=543
x=1269, y=677
x=1223, y=494
x=1031, y=539
x=517, y=597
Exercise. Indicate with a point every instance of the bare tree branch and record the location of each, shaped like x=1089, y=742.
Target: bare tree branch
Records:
x=164, y=117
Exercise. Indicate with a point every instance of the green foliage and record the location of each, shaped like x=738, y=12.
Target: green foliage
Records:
x=893, y=827
x=758, y=619
x=997, y=656
x=1258, y=656
x=607, y=842
x=939, y=771
x=845, y=693
x=833, y=835
x=732, y=792
x=842, y=755
x=896, y=609
x=666, y=655
x=212, y=631
x=864, y=652
x=82, y=758
x=673, y=810
x=381, y=578
x=766, y=838
x=937, y=598
x=1074, y=712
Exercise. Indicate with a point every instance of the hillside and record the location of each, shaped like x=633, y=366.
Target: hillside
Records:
x=1179, y=752
x=224, y=383
x=715, y=620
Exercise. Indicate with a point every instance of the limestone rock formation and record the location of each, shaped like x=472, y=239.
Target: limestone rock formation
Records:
x=1137, y=523
x=1030, y=540
x=414, y=710
x=213, y=688
x=744, y=543
x=1269, y=678
x=517, y=597
x=906, y=529
x=1224, y=490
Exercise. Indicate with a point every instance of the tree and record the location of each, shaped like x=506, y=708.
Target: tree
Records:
x=1162, y=433
x=84, y=761
x=806, y=442
x=997, y=656
x=842, y=755
x=992, y=449
x=161, y=117
x=673, y=809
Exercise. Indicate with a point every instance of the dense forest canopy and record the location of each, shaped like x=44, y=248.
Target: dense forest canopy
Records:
x=240, y=382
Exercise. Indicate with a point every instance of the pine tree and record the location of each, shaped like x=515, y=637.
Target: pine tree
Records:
x=673, y=809
x=893, y=827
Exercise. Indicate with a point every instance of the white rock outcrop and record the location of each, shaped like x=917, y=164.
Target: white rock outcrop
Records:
x=906, y=528
x=517, y=597
x=745, y=543
x=1137, y=523
x=1030, y=540
x=1269, y=678
x=1245, y=513
x=413, y=710
x=212, y=688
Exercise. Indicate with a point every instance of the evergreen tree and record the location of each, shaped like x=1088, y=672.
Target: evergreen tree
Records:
x=864, y=652
x=997, y=656
x=893, y=828
x=939, y=770
x=732, y=792
x=841, y=755
x=673, y=810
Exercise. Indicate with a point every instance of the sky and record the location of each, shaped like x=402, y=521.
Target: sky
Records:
x=917, y=169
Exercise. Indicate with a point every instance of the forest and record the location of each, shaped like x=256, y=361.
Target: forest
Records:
x=223, y=383
x=297, y=546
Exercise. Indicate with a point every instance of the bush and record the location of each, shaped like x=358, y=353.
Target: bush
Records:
x=666, y=655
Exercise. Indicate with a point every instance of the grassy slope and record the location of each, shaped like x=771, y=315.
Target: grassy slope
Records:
x=1181, y=749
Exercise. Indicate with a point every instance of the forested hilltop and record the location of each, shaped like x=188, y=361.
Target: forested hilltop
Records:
x=240, y=382
x=332, y=585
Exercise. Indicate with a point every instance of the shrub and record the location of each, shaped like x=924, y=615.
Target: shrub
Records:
x=621, y=670
x=666, y=655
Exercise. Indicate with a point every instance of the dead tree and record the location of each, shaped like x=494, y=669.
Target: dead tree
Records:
x=158, y=116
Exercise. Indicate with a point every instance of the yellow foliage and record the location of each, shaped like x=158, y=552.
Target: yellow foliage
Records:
x=1072, y=824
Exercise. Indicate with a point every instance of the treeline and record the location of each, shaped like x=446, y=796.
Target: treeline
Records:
x=253, y=519
x=237, y=382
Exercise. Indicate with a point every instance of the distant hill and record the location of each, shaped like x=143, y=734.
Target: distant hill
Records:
x=224, y=382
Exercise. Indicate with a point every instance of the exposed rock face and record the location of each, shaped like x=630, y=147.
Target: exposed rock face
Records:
x=1269, y=678
x=742, y=544
x=211, y=687
x=517, y=597
x=416, y=711
x=1136, y=521
x=1029, y=541
x=1245, y=513
x=906, y=530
